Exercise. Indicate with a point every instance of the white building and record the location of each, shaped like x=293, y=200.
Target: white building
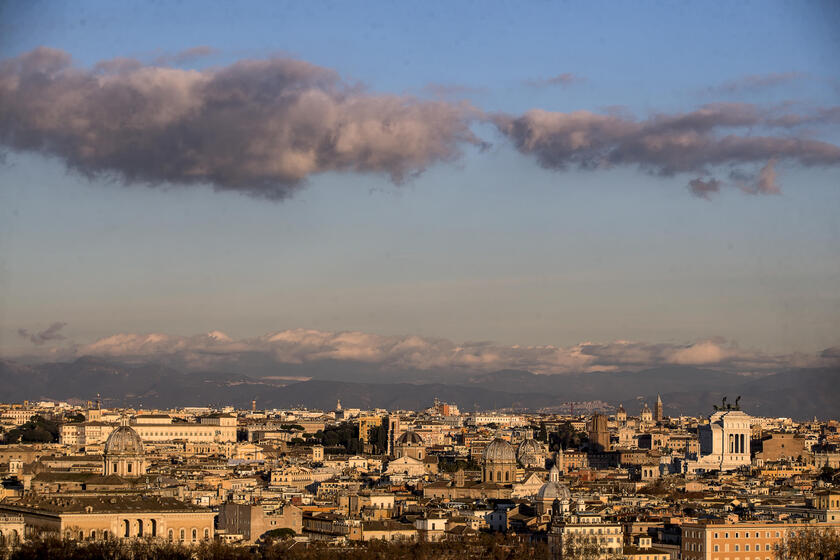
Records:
x=724, y=442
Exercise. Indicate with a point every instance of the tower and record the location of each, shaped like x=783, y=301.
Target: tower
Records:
x=393, y=432
x=658, y=409
x=599, y=434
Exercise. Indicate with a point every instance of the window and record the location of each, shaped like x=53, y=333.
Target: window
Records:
x=726, y=535
x=183, y=535
x=207, y=534
x=171, y=535
x=716, y=535
x=716, y=548
x=194, y=534
x=747, y=535
x=747, y=548
x=736, y=535
x=737, y=548
x=129, y=467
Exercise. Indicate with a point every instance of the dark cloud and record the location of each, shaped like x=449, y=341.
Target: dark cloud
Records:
x=186, y=56
x=259, y=127
x=703, y=189
x=756, y=82
x=735, y=135
x=50, y=334
x=564, y=80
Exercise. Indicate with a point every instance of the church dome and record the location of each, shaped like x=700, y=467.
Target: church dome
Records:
x=499, y=451
x=553, y=490
x=528, y=448
x=410, y=438
x=123, y=441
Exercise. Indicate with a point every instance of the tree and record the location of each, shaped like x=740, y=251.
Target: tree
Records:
x=36, y=430
x=810, y=544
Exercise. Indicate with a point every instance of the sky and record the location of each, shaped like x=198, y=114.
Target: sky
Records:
x=523, y=175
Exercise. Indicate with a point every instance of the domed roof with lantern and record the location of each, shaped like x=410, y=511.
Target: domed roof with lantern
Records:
x=553, y=489
x=123, y=441
x=409, y=438
x=500, y=451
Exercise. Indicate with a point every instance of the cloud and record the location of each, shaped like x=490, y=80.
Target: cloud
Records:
x=756, y=82
x=739, y=136
x=217, y=350
x=50, y=334
x=263, y=127
x=703, y=189
x=186, y=56
x=259, y=127
x=446, y=91
x=563, y=80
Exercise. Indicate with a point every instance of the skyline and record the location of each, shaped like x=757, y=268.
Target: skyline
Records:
x=577, y=194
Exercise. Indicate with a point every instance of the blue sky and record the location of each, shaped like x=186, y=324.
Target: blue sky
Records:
x=488, y=247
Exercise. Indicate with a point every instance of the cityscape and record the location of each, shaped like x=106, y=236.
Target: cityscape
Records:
x=613, y=483
x=437, y=280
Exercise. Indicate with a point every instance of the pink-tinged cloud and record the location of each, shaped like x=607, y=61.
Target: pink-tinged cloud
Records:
x=302, y=346
x=259, y=127
x=738, y=137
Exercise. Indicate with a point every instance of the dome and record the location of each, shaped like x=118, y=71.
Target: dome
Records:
x=553, y=490
x=409, y=438
x=527, y=449
x=123, y=441
x=499, y=451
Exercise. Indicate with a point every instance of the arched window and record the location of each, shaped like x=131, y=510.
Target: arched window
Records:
x=154, y=527
x=93, y=534
x=81, y=535
x=171, y=535
x=183, y=535
x=194, y=534
x=139, y=527
x=127, y=527
x=507, y=476
x=206, y=534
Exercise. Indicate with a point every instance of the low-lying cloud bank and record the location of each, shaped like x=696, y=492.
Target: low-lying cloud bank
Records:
x=262, y=127
x=302, y=346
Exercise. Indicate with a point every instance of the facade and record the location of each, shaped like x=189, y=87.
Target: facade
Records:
x=724, y=442
x=160, y=428
x=99, y=518
x=410, y=444
x=573, y=531
x=252, y=521
x=737, y=540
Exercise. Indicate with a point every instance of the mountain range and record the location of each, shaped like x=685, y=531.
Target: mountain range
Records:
x=797, y=393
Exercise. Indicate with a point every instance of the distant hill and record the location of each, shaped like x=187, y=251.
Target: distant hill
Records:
x=688, y=390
